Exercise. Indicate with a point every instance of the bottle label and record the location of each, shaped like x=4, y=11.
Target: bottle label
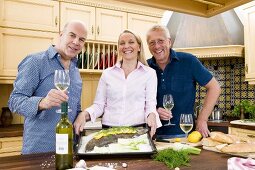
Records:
x=61, y=143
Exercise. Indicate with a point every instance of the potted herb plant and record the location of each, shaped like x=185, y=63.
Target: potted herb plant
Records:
x=245, y=107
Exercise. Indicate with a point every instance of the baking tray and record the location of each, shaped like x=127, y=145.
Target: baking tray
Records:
x=82, y=154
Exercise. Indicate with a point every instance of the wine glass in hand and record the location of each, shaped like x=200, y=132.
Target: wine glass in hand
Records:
x=186, y=123
x=168, y=104
x=61, y=80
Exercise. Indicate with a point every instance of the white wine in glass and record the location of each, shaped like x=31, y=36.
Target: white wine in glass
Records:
x=62, y=87
x=186, y=123
x=62, y=81
x=168, y=104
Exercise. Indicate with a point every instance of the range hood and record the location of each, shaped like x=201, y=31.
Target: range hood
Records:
x=204, y=8
x=220, y=36
x=215, y=52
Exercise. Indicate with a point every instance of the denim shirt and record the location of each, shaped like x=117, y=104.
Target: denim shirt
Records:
x=34, y=80
x=179, y=78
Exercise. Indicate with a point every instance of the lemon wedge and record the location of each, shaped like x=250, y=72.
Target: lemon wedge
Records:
x=177, y=139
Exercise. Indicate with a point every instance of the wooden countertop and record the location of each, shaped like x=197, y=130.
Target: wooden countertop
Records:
x=11, y=131
x=217, y=123
x=206, y=160
x=243, y=126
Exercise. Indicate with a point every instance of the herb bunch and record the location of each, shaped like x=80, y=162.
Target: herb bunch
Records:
x=248, y=106
x=173, y=158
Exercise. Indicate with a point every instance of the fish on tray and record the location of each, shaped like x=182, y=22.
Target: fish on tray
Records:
x=108, y=136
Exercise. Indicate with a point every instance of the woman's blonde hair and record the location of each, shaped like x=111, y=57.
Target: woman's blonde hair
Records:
x=141, y=56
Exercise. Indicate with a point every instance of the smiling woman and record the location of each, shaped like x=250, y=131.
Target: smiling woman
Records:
x=126, y=93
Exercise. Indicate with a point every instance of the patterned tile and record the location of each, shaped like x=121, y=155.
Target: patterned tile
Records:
x=230, y=74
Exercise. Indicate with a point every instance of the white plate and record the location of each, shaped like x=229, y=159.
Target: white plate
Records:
x=241, y=122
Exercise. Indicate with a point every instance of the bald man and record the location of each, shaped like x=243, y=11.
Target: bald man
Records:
x=34, y=95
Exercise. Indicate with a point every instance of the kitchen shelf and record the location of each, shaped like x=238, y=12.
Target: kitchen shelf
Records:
x=97, y=56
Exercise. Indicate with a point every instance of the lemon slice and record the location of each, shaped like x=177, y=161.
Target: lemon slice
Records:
x=177, y=139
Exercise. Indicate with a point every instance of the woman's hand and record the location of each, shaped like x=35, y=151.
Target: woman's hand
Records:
x=80, y=122
x=151, y=120
x=164, y=114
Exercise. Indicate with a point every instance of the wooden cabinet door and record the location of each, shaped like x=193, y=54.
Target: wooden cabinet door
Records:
x=249, y=34
x=10, y=146
x=15, y=44
x=141, y=24
x=110, y=24
x=30, y=14
x=79, y=12
x=89, y=87
x=245, y=134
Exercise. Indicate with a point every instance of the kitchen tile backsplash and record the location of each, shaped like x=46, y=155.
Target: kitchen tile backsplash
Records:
x=230, y=74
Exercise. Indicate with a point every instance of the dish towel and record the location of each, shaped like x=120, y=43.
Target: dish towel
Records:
x=236, y=163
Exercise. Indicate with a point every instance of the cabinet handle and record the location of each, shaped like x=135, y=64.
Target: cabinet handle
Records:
x=56, y=20
x=251, y=136
x=97, y=30
x=92, y=30
x=246, y=68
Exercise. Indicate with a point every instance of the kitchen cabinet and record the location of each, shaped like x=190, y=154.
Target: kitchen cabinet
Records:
x=23, y=31
x=86, y=14
x=105, y=24
x=15, y=44
x=89, y=87
x=102, y=24
x=30, y=14
x=110, y=24
x=11, y=140
x=249, y=34
x=141, y=24
x=243, y=131
x=10, y=146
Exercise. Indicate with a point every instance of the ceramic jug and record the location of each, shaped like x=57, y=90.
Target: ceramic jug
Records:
x=6, y=117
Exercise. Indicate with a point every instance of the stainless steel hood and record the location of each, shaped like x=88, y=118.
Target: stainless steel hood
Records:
x=219, y=36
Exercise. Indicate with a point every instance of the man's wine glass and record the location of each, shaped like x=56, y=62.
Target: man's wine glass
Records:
x=168, y=104
x=186, y=123
x=61, y=80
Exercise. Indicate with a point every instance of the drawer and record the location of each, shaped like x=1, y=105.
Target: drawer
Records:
x=223, y=129
x=245, y=134
x=12, y=144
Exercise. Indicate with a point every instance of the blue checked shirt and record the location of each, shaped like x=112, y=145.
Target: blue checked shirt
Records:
x=34, y=80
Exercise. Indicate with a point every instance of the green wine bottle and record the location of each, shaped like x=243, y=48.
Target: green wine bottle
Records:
x=64, y=140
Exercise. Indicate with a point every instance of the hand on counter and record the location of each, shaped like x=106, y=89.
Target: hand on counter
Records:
x=203, y=128
x=80, y=121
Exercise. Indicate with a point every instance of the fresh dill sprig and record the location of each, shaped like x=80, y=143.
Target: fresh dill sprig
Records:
x=173, y=158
